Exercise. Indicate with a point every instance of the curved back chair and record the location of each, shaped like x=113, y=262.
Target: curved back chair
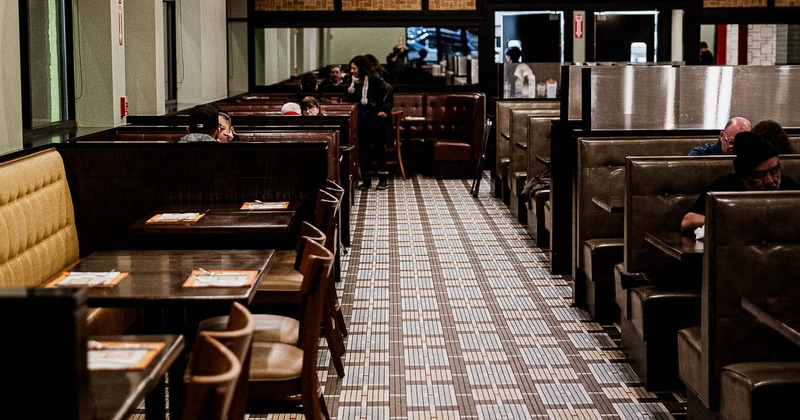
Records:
x=210, y=380
x=283, y=377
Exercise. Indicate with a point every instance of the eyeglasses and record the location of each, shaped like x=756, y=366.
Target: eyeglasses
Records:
x=773, y=172
x=726, y=139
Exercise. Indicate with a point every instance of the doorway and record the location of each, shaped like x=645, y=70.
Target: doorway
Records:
x=616, y=33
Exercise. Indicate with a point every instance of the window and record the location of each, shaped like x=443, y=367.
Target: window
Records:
x=46, y=62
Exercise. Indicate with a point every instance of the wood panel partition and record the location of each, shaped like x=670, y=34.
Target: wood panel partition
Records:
x=113, y=185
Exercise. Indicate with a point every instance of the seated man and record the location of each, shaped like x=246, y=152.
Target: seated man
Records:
x=335, y=77
x=756, y=167
x=203, y=124
x=723, y=146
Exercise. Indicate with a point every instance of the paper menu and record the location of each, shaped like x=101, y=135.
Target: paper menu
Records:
x=107, y=355
x=221, y=278
x=87, y=279
x=271, y=205
x=175, y=217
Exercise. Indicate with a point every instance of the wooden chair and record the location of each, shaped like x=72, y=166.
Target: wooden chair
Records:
x=393, y=151
x=237, y=336
x=210, y=380
x=283, y=377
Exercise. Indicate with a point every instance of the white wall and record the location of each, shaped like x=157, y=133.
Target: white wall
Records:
x=144, y=57
x=99, y=63
x=346, y=43
x=677, y=36
x=202, y=62
x=10, y=79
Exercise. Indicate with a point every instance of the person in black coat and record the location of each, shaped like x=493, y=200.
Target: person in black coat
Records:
x=375, y=99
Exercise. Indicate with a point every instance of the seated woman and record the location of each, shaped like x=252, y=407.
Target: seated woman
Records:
x=310, y=106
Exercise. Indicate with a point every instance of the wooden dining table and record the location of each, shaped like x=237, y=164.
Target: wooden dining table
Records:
x=155, y=282
x=222, y=226
x=677, y=245
x=117, y=393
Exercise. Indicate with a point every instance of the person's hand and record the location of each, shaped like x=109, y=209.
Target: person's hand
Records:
x=382, y=114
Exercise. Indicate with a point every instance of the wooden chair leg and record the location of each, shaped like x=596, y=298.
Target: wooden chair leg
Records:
x=335, y=344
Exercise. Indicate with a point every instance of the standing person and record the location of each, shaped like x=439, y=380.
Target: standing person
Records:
x=203, y=124
x=723, y=146
x=706, y=58
x=375, y=100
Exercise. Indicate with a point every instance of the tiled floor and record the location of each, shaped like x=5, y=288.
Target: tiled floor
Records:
x=453, y=314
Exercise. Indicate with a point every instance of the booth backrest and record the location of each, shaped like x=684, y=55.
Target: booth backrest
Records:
x=751, y=251
x=38, y=237
x=601, y=174
x=518, y=156
x=171, y=137
x=331, y=137
x=503, y=117
x=659, y=192
x=539, y=139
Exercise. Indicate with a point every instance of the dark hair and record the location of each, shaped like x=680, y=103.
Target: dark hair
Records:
x=515, y=53
x=773, y=133
x=423, y=53
x=703, y=44
x=203, y=119
x=364, y=67
x=308, y=83
x=750, y=150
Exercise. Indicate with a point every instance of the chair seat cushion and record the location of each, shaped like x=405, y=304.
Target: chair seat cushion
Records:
x=110, y=321
x=451, y=150
x=275, y=362
x=659, y=314
x=282, y=274
x=689, y=342
x=267, y=328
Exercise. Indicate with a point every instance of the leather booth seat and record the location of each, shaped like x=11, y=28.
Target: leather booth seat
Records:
x=453, y=136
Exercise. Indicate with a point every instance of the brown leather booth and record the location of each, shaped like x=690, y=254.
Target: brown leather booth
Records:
x=732, y=364
x=518, y=166
x=659, y=191
x=453, y=134
x=503, y=140
x=539, y=140
x=601, y=174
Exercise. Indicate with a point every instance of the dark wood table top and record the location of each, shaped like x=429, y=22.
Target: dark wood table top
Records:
x=779, y=313
x=677, y=245
x=156, y=277
x=118, y=392
x=610, y=204
x=219, y=220
x=543, y=159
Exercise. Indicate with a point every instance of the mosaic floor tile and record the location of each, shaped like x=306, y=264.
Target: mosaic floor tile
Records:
x=453, y=314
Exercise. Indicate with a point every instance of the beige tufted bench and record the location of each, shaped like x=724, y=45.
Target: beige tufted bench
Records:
x=38, y=238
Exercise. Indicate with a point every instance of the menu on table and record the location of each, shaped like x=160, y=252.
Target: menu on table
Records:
x=87, y=279
x=116, y=355
x=265, y=205
x=176, y=218
x=222, y=278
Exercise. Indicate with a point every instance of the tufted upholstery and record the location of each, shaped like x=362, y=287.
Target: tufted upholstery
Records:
x=503, y=116
x=38, y=237
x=747, y=254
x=659, y=191
x=601, y=173
x=37, y=224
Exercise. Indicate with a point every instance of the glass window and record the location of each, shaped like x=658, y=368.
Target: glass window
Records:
x=48, y=85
